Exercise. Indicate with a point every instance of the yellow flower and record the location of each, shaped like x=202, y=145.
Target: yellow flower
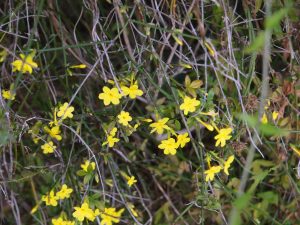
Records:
x=132, y=210
x=211, y=113
x=65, y=111
x=54, y=132
x=80, y=66
x=132, y=91
x=84, y=212
x=64, y=192
x=210, y=173
x=50, y=199
x=111, y=141
x=110, y=216
x=228, y=163
x=8, y=94
x=124, y=118
x=86, y=164
x=295, y=149
x=34, y=209
x=61, y=221
x=113, y=131
x=183, y=139
x=147, y=120
x=110, y=96
x=264, y=119
x=208, y=126
x=169, y=146
x=189, y=105
x=223, y=136
x=275, y=115
x=131, y=180
x=48, y=147
x=160, y=125
x=25, y=64
x=54, y=122
x=58, y=221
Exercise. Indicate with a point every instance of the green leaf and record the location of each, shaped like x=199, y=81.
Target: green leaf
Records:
x=274, y=20
x=265, y=129
x=177, y=125
x=196, y=84
x=257, y=44
x=81, y=173
x=87, y=178
x=271, y=130
x=269, y=196
x=259, y=163
x=241, y=202
x=4, y=137
x=258, y=179
x=258, y=4
x=187, y=81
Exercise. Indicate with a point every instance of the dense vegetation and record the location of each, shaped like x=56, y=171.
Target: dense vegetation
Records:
x=149, y=112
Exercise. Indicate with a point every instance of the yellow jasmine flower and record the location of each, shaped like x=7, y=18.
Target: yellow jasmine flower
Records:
x=169, y=146
x=54, y=122
x=111, y=141
x=34, y=209
x=80, y=66
x=132, y=91
x=58, y=221
x=183, y=139
x=295, y=149
x=48, y=147
x=178, y=40
x=131, y=180
x=54, y=132
x=65, y=111
x=124, y=118
x=264, y=119
x=211, y=113
x=223, y=136
x=275, y=115
x=86, y=164
x=160, y=125
x=268, y=104
x=113, y=131
x=228, y=163
x=210, y=173
x=206, y=125
x=84, y=212
x=110, y=96
x=61, y=221
x=147, y=120
x=189, y=105
x=8, y=94
x=50, y=199
x=110, y=216
x=64, y=192
x=208, y=160
x=132, y=210
x=25, y=64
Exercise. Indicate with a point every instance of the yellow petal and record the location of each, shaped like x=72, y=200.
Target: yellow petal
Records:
x=80, y=66
x=275, y=115
x=178, y=41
